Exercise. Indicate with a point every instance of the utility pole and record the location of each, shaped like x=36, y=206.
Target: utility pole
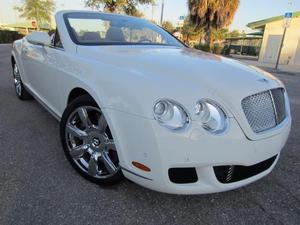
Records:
x=280, y=49
x=152, y=15
x=287, y=20
x=162, y=12
x=243, y=42
x=153, y=9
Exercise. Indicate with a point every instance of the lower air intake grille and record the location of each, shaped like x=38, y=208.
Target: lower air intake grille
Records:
x=183, y=175
x=265, y=110
x=233, y=173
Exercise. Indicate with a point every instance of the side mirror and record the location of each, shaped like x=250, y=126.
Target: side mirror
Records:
x=39, y=38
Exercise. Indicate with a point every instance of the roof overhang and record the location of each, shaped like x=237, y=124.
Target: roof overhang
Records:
x=262, y=23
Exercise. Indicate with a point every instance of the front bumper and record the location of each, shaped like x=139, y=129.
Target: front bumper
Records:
x=145, y=141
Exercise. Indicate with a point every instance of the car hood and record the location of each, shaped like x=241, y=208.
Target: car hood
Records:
x=185, y=65
x=199, y=74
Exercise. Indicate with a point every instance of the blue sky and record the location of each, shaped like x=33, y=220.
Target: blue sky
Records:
x=249, y=10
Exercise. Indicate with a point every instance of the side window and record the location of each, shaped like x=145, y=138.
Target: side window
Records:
x=89, y=30
x=51, y=34
x=57, y=43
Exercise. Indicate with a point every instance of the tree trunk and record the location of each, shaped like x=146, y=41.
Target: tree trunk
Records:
x=208, y=37
x=37, y=24
x=200, y=38
x=37, y=19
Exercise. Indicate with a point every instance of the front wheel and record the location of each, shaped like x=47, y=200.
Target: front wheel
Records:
x=21, y=92
x=88, y=142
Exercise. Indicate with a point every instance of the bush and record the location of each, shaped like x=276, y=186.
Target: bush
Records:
x=226, y=50
x=202, y=47
x=7, y=36
x=217, y=49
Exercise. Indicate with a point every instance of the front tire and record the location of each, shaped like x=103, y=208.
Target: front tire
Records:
x=21, y=92
x=88, y=143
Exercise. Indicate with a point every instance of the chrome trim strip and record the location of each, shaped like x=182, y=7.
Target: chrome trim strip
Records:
x=57, y=117
x=230, y=173
x=274, y=106
x=127, y=170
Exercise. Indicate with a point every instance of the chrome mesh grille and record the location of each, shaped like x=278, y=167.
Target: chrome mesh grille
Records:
x=264, y=110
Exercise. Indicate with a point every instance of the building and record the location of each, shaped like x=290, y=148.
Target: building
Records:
x=273, y=30
x=245, y=45
x=25, y=27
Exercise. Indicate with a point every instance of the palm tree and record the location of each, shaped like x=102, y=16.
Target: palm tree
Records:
x=40, y=10
x=115, y=6
x=212, y=14
x=190, y=30
x=167, y=25
x=220, y=34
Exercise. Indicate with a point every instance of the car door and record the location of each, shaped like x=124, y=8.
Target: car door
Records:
x=44, y=66
x=32, y=57
x=53, y=68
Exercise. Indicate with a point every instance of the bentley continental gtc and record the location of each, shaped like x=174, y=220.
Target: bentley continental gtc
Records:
x=135, y=102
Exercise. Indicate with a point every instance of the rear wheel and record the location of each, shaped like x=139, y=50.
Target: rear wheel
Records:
x=21, y=92
x=88, y=142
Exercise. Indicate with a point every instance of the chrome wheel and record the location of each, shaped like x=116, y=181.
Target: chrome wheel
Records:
x=90, y=143
x=17, y=80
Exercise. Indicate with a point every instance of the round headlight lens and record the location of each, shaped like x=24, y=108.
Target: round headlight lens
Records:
x=160, y=108
x=212, y=117
x=170, y=114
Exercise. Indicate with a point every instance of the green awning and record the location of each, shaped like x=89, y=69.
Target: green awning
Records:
x=259, y=33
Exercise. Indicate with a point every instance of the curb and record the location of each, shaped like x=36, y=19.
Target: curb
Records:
x=272, y=70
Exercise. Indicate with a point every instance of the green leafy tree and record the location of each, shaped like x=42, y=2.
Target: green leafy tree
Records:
x=212, y=14
x=39, y=10
x=234, y=33
x=116, y=6
x=220, y=34
x=167, y=25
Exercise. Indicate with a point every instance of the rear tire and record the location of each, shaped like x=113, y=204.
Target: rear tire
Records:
x=88, y=143
x=21, y=92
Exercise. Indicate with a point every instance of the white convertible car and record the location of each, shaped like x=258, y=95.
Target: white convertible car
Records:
x=134, y=102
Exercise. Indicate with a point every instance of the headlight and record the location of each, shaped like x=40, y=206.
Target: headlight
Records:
x=170, y=114
x=212, y=117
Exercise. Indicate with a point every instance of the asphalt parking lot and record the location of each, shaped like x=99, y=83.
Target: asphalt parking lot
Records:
x=38, y=186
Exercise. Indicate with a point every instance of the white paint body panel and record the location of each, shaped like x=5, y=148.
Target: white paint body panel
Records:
x=126, y=81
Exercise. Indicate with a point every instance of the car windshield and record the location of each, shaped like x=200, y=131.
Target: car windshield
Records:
x=110, y=29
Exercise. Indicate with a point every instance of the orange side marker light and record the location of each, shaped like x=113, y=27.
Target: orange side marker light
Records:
x=141, y=166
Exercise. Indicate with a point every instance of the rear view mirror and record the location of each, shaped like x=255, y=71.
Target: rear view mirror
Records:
x=39, y=38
